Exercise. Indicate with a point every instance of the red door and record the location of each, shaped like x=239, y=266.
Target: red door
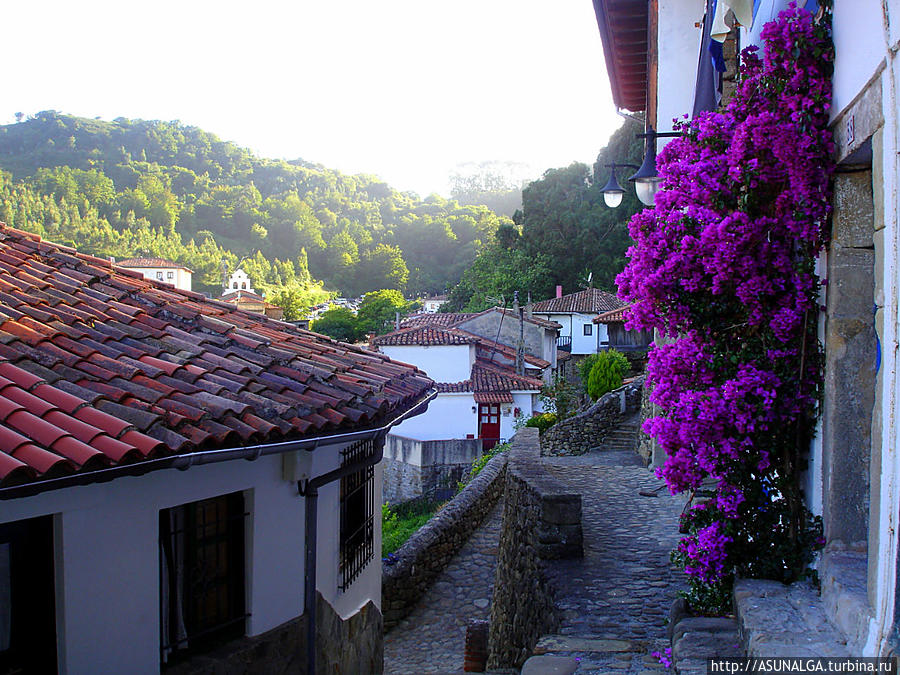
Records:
x=488, y=424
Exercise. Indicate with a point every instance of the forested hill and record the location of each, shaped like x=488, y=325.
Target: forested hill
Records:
x=134, y=187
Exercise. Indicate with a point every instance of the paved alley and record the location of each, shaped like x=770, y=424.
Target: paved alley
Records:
x=432, y=638
x=613, y=602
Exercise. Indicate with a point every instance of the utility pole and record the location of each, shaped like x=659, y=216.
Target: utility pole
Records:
x=520, y=348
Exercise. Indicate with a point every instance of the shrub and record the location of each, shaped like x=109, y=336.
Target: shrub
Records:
x=543, y=421
x=480, y=463
x=607, y=373
x=561, y=397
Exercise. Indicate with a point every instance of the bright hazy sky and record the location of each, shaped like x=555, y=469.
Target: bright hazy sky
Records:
x=404, y=89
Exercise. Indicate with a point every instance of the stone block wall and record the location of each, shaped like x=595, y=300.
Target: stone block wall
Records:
x=411, y=570
x=414, y=468
x=541, y=520
x=352, y=645
x=578, y=434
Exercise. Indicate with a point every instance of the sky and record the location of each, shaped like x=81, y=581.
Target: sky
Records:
x=402, y=89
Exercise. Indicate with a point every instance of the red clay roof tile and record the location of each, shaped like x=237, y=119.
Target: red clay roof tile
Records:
x=106, y=353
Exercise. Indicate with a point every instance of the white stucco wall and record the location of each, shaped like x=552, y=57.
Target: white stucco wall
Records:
x=564, y=320
x=525, y=402
x=448, y=416
x=679, y=53
x=107, y=556
x=181, y=278
x=442, y=363
x=859, y=49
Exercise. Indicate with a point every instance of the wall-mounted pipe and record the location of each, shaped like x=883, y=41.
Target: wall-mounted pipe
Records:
x=309, y=489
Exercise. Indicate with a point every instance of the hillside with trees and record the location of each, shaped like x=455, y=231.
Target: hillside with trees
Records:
x=151, y=188
x=564, y=235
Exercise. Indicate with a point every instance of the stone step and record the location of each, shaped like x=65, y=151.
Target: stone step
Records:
x=592, y=655
x=785, y=621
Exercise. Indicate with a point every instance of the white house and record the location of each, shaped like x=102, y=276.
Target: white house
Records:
x=180, y=479
x=433, y=304
x=575, y=313
x=481, y=398
x=160, y=269
x=480, y=395
x=853, y=481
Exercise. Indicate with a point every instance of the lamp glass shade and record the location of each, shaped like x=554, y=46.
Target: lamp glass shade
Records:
x=613, y=198
x=646, y=189
x=612, y=191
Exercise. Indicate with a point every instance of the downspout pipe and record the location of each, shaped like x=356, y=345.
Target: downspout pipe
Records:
x=309, y=489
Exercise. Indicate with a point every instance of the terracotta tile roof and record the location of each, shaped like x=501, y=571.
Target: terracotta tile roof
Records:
x=489, y=397
x=101, y=367
x=615, y=316
x=436, y=319
x=150, y=262
x=425, y=335
x=490, y=378
x=487, y=347
x=509, y=313
x=235, y=296
x=588, y=301
x=454, y=319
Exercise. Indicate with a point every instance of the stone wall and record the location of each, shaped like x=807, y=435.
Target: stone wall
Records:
x=576, y=435
x=541, y=520
x=411, y=570
x=353, y=645
x=414, y=468
x=646, y=444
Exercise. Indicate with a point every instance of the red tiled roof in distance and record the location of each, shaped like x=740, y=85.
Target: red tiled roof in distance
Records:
x=615, y=316
x=588, y=301
x=100, y=366
x=425, y=335
x=132, y=263
x=436, y=319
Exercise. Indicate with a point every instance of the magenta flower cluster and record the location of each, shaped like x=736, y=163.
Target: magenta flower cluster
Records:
x=723, y=267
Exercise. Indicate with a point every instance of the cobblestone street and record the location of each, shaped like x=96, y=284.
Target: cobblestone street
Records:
x=432, y=638
x=613, y=602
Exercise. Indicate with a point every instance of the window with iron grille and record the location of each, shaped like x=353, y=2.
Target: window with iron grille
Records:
x=357, y=514
x=201, y=559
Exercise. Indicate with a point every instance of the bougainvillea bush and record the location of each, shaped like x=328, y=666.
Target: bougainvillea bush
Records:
x=723, y=267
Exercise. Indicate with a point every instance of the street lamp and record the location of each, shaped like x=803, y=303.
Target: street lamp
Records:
x=646, y=179
x=612, y=191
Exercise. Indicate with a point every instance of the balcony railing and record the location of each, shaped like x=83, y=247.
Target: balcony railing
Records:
x=564, y=342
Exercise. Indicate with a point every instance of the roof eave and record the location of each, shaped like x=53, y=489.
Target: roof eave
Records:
x=626, y=58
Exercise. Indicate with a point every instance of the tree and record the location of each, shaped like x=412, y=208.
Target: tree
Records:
x=607, y=373
x=382, y=267
x=378, y=309
x=497, y=273
x=564, y=216
x=340, y=324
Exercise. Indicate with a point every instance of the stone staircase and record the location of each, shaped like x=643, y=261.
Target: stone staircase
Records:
x=622, y=437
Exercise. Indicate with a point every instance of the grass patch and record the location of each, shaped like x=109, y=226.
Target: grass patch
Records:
x=399, y=525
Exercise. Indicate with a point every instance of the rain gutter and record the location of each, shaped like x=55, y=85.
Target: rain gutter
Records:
x=186, y=461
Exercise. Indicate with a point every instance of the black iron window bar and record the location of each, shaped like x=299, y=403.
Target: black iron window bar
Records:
x=357, y=514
